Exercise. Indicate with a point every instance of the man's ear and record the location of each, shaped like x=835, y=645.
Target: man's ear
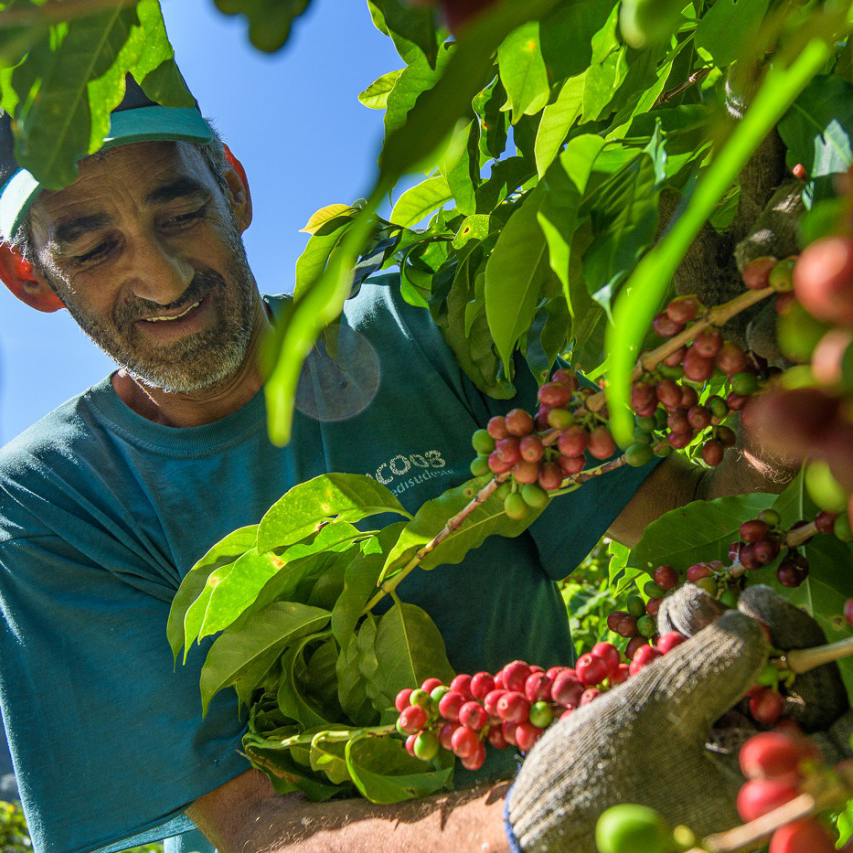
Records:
x=238, y=191
x=25, y=282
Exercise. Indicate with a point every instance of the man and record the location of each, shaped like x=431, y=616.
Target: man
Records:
x=107, y=503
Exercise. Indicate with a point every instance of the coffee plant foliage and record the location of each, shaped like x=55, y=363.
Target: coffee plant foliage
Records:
x=570, y=156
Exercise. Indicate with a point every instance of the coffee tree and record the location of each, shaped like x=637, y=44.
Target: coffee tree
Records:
x=647, y=204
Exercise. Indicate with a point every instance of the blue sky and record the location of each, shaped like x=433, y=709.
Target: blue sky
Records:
x=294, y=120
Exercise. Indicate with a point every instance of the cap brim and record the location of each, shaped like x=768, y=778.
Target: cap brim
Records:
x=145, y=124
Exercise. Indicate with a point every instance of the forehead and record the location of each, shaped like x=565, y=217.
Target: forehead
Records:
x=125, y=174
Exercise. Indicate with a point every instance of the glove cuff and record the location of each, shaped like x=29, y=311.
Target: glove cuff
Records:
x=514, y=845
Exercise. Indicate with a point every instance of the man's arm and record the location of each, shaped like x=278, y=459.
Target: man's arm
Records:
x=246, y=815
x=676, y=482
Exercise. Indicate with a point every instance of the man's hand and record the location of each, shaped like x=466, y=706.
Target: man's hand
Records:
x=650, y=741
x=246, y=815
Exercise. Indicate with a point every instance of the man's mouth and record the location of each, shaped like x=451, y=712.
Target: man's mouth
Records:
x=165, y=319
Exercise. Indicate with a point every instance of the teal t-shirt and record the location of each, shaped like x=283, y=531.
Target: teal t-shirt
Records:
x=102, y=512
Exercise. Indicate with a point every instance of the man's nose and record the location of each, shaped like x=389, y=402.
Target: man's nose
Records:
x=158, y=271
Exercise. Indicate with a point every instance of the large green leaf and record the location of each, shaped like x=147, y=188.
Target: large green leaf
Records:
x=360, y=581
x=523, y=71
x=328, y=497
x=574, y=24
x=409, y=649
x=311, y=264
x=817, y=130
x=54, y=118
x=329, y=757
x=285, y=773
x=557, y=121
x=293, y=700
x=269, y=20
x=240, y=650
x=461, y=166
x=515, y=274
x=419, y=201
x=487, y=519
x=194, y=583
x=729, y=27
x=565, y=183
x=416, y=78
x=352, y=688
x=697, y=532
x=368, y=664
x=411, y=29
x=385, y=773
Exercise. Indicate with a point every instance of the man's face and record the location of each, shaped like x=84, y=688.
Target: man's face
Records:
x=145, y=252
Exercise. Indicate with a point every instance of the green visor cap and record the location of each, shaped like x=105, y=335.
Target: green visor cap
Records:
x=143, y=124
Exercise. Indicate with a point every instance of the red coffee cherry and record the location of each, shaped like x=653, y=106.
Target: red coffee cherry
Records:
x=708, y=342
x=497, y=427
x=643, y=657
x=614, y=618
x=573, y=441
x=537, y=687
x=775, y=755
x=698, y=571
x=464, y=742
x=591, y=670
x=430, y=684
x=766, y=706
x=402, y=699
x=496, y=737
x=731, y=358
x=620, y=675
x=555, y=394
x=412, y=719
x=666, y=577
x=823, y=279
x=609, y=654
x=571, y=465
x=627, y=627
x=515, y=675
x=683, y=309
x=712, y=453
x=513, y=707
x=462, y=684
x=473, y=715
x=760, y=796
x=450, y=704
x=601, y=443
x=665, y=326
x=698, y=368
x=806, y=835
x=508, y=732
x=551, y=476
x=634, y=645
x=482, y=683
x=490, y=703
x=756, y=274
x=669, y=641
x=567, y=690
x=754, y=530
x=526, y=735
x=669, y=393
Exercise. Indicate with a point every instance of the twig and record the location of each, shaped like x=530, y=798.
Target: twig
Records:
x=456, y=522
x=718, y=315
x=800, y=535
x=692, y=80
x=802, y=660
x=55, y=11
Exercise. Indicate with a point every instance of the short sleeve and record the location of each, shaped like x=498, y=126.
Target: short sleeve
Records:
x=106, y=736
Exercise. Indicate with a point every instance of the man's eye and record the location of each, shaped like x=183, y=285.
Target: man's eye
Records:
x=184, y=219
x=98, y=253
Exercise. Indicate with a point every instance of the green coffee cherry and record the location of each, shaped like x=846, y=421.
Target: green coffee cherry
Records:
x=652, y=590
x=798, y=333
x=824, y=489
x=638, y=455
x=744, y=384
x=635, y=606
x=632, y=829
x=534, y=496
x=515, y=507
x=646, y=626
x=729, y=598
x=770, y=517
x=426, y=745
x=842, y=529
x=483, y=443
x=480, y=466
x=503, y=490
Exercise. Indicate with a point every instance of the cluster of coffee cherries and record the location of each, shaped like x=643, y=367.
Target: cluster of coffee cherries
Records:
x=777, y=766
x=810, y=418
x=667, y=409
x=541, y=451
x=762, y=540
x=511, y=708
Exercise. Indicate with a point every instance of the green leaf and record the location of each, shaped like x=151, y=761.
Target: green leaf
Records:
x=269, y=20
x=242, y=650
x=487, y=519
x=285, y=773
x=698, y=532
x=818, y=127
x=515, y=273
x=360, y=581
x=625, y=222
x=375, y=96
x=409, y=649
x=415, y=79
x=523, y=71
x=368, y=664
x=292, y=698
x=328, y=497
x=461, y=166
x=565, y=184
x=328, y=218
x=311, y=264
x=234, y=587
x=557, y=120
x=385, y=773
x=442, y=102
x=352, y=688
x=572, y=24
x=54, y=118
x=195, y=582
x=729, y=27
x=419, y=201
x=411, y=29
x=329, y=757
